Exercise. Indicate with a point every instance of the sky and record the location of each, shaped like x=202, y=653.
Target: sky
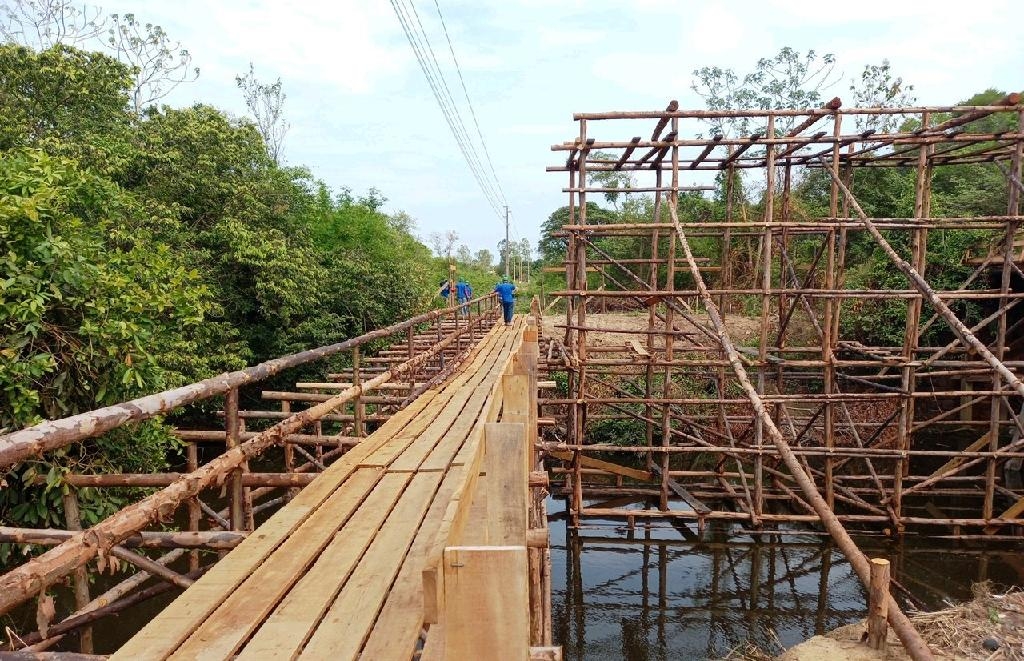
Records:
x=362, y=115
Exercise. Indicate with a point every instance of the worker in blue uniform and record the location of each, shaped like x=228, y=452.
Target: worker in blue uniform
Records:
x=465, y=294
x=507, y=295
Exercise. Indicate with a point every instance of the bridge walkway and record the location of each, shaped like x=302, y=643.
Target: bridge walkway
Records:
x=338, y=572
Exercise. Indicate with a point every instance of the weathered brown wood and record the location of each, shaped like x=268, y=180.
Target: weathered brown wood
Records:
x=50, y=435
x=73, y=519
x=878, y=604
x=207, y=539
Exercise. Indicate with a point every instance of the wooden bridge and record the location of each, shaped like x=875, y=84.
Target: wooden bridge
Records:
x=423, y=540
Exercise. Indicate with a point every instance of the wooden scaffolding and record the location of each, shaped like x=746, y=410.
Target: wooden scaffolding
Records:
x=756, y=430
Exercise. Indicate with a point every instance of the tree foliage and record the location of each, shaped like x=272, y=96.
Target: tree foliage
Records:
x=145, y=252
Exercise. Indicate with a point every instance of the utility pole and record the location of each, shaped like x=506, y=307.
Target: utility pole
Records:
x=506, y=240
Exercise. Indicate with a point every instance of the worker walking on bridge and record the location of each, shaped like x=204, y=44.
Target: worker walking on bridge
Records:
x=507, y=295
x=465, y=295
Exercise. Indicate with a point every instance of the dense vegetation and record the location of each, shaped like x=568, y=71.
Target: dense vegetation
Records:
x=144, y=251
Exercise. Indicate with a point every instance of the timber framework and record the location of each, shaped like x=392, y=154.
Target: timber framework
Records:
x=795, y=421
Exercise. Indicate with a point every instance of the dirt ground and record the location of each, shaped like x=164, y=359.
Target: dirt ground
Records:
x=742, y=330
x=844, y=644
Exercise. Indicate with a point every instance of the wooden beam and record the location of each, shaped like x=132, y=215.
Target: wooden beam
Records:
x=590, y=462
x=507, y=488
x=486, y=603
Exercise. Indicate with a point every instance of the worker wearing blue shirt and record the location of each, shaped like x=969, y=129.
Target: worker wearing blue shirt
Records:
x=464, y=293
x=507, y=295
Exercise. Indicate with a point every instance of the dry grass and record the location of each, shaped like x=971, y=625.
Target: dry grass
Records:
x=960, y=631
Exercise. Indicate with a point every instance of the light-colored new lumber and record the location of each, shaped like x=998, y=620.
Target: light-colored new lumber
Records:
x=347, y=624
x=486, y=606
x=296, y=618
x=507, y=489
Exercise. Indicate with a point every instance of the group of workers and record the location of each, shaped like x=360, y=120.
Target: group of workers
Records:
x=505, y=290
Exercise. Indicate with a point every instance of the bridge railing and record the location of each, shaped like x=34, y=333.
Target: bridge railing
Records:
x=74, y=549
x=487, y=577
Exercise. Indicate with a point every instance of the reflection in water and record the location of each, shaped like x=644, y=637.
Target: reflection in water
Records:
x=662, y=592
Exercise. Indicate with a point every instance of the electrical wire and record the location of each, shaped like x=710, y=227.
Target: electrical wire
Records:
x=427, y=60
x=469, y=103
x=414, y=39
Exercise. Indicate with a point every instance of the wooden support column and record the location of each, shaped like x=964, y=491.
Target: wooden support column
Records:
x=486, y=603
x=73, y=519
x=358, y=408
x=878, y=604
x=670, y=286
x=997, y=411
x=580, y=257
x=767, y=239
x=652, y=320
x=194, y=511
x=918, y=260
x=828, y=327
x=235, y=495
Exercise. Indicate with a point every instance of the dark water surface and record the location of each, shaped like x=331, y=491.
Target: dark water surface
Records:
x=663, y=592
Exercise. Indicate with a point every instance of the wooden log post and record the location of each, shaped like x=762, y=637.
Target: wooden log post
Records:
x=359, y=409
x=486, y=603
x=73, y=519
x=235, y=495
x=195, y=512
x=878, y=604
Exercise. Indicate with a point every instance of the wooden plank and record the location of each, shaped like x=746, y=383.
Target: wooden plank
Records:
x=697, y=505
x=398, y=626
x=487, y=608
x=433, y=647
x=639, y=350
x=507, y=488
x=292, y=623
x=590, y=462
x=977, y=445
x=1013, y=512
x=454, y=395
x=449, y=429
x=174, y=624
x=231, y=624
x=481, y=406
x=347, y=624
x=452, y=525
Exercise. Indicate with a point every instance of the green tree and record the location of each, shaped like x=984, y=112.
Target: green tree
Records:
x=788, y=79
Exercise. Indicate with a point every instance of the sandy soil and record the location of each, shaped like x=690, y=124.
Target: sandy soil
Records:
x=844, y=644
x=743, y=330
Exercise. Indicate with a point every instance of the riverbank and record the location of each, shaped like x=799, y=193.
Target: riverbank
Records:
x=990, y=627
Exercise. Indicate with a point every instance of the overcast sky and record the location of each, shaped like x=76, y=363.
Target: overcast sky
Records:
x=363, y=116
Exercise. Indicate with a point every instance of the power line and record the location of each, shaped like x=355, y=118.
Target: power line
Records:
x=451, y=99
x=469, y=103
x=420, y=44
x=428, y=72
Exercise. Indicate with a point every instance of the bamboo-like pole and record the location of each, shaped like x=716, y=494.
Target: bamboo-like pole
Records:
x=73, y=520
x=32, y=441
x=42, y=571
x=878, y=604
x=912, y=641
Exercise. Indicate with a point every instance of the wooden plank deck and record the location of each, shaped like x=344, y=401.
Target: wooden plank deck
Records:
x=336, y=573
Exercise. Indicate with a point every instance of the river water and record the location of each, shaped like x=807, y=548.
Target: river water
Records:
x=663, y=592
